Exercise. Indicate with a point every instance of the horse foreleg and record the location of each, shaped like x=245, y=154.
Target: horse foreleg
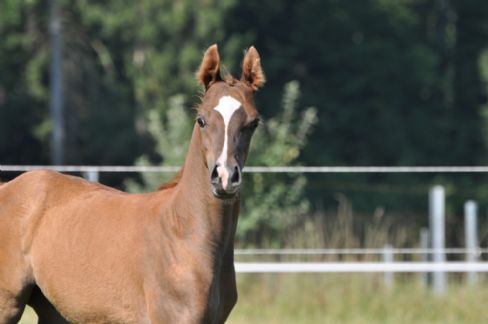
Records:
x=10, y=311
x=44, y=309
x=15, y=288
x=12, y=304
x=228, y=294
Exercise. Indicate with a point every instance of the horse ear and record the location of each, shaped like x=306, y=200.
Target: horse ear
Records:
x=252, y=73
x=209, y=71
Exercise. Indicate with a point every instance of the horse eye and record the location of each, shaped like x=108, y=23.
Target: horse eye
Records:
x=201, y=121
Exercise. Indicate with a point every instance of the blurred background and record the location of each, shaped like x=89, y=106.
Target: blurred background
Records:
x=349, y=83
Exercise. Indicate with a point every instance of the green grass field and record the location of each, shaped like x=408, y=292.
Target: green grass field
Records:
x=346, y=298
x=357, y=298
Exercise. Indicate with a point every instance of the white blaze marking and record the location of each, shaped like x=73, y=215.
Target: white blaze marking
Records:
x=226, y=107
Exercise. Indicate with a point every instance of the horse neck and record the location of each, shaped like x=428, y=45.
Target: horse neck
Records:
x=195, y=205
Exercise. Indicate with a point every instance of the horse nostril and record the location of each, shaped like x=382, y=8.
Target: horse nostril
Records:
x=214, y=177
x=236, y=176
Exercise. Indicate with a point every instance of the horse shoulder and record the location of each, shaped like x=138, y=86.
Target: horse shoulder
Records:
x=28, y=199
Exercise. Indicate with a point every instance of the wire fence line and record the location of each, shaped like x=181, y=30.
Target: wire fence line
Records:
x=256, y=169
x=347, y=267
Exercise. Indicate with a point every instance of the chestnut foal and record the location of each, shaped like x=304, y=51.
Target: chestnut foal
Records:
x=82, y=252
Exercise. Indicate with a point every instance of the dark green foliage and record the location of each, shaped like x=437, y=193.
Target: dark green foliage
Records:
x=21, y=111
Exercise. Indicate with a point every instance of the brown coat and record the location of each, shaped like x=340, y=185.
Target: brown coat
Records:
x=86, y=253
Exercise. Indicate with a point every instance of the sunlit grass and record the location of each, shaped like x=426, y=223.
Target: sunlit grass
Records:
x=358, y=298
x=29, y=317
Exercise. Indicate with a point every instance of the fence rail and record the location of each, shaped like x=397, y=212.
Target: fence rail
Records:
x=438, y=251
x=256, y=169
x=359, y=267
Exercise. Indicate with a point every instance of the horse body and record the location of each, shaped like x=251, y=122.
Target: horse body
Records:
x=85, y=253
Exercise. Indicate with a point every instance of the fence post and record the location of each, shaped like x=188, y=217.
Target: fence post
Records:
x=471, y=237
x=91, y=176
x=425, y=257
x=437, y=235
x=388, y=258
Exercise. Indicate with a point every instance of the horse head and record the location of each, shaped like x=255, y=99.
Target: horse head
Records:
x=227, y=118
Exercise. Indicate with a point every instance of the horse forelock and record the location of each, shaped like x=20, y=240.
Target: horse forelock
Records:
x=228, y=78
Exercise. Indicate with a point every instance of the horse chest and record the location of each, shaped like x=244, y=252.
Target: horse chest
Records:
x=184, y=294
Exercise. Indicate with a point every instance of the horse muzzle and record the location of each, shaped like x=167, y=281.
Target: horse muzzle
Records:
x=225, y=180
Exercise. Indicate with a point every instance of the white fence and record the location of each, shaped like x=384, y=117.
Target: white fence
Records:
x=434, y=238
x=359, y=251
x=358, y=267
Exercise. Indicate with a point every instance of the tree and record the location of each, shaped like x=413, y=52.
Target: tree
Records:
x=398, y=82
x=22, y=52
x=273, y=204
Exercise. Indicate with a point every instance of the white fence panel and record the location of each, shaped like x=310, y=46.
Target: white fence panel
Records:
x=359, y=267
